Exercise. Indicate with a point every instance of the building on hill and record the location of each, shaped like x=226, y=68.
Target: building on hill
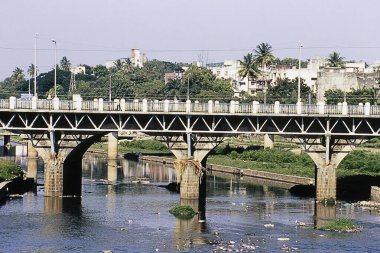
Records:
x=81, y=69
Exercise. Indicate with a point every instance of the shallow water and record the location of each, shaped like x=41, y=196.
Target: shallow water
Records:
x=129, y=217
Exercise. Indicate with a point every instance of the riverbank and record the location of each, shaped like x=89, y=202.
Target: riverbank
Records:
x=238, y=171
x=12, y=179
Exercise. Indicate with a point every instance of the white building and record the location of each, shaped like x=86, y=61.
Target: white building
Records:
x=229, y=70
x=137, y=59
x=80, y=69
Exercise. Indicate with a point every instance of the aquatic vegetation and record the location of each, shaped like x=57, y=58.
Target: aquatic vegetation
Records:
x=341, y=225
x=183, y=212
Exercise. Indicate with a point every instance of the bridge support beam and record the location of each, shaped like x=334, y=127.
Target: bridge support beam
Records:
x=325, y=182
x=112, y=157
x=268, y=141
x=7, y=145
x=32, y=162
x=327, y=153
x=62, y=155
x=191, y=152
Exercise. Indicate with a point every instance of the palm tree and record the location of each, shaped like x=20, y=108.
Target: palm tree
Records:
x=17, y=76
x=263, y=55
x=30, y=71
x=335, y=60
x=65, y=64
x=248, y=68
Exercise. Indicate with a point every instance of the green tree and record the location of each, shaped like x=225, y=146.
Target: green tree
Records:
x=248, y=68
x=289, y=62
x=65, y=64
x=31, y=70
x=354, y=96
x=17, y=76
x=335, y=60
x=286, y=91
x=100, y=71
x=263, y=55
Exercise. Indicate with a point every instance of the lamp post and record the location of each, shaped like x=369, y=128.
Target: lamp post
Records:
x=55, y=67
x=35, y=64
x=299, y=73
x=110, y=90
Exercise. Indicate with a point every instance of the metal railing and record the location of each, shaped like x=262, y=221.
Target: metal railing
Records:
x=193, y=107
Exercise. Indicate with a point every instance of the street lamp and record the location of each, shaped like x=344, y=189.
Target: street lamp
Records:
x=55, y=67
x=299, y=73
x=35, y=64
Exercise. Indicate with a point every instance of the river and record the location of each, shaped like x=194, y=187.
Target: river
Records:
x=129, y=217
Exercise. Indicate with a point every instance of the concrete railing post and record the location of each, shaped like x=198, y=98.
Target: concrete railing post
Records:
x=78, y=103
x=344, y=108
x=56, y=103
x=299, y=107
x=166, y=105
x=210, y=106
x=367, y=109
x=321, y=107
x=12, y=103
x=122, y=104
x=232, y=106
x=216, y=106
x=34, y=103
x=101, y=108
x=255, y=107
x=145, y=105
x=277, y=107
x=188, y=106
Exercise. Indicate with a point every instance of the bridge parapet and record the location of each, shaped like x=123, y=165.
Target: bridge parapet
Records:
x=175, y=106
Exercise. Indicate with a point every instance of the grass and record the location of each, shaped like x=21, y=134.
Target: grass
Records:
x=247, y=153
x=183, y=212
x=341, y=225
x=9, y=170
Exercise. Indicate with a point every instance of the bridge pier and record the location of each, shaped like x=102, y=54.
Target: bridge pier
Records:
x=32, y=162
x=191, y=152
x=112, y=157
x=327, y=153
x=7, y=145
x=268, y=141
x=62, y=155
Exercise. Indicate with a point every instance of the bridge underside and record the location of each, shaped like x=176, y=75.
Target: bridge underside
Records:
x=62, y=137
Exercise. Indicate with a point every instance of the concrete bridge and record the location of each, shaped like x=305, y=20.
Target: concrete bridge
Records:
x=62, y=131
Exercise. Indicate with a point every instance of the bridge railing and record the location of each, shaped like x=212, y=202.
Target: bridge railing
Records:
x=175, y=106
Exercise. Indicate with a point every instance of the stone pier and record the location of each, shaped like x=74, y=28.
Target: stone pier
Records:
x=32, y=162
x=325, y=182
x=112, y=157
x=268, y=141
x=190, y=174
x=7, y=145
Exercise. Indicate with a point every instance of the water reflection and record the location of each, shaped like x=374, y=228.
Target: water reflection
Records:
x=323, y=214
x=58, y=205
x=190, y=232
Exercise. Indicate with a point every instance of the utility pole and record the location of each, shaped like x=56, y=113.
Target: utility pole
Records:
x=35, y=64
x=55, y=67
x=299, y=73
x=110, y=89
x=188, y=87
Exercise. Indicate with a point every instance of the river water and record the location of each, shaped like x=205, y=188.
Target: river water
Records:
x=129, y=217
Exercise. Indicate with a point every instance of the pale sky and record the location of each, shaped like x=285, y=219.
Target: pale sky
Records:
x=94, y=31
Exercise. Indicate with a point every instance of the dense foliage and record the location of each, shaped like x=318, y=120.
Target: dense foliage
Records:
x=362, y=161
x=9, y=170
x=355, y=96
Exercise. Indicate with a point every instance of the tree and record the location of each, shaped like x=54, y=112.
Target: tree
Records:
x=248, y=68
x=65, y=64
x=286, y=91
x=263, y=55
x=100, y=71
x=335, y=60
x=17, y=76
x=289, y=62
x=354, y=96
x=31, y=70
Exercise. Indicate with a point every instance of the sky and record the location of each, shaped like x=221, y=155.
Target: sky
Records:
x=94, y=31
